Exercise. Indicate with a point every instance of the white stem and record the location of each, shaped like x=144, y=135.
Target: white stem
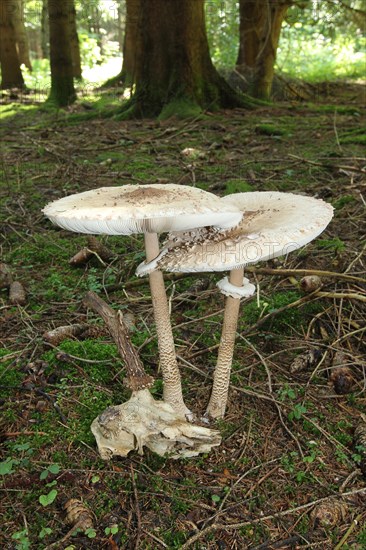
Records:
x=219, y=395
x=168, y=362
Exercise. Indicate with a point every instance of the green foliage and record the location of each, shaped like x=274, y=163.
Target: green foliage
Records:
x=22, y=538
x=270, y=130
x=51, y=469
x=113, y=530
x=44, y=532
x=237, y=186
x=91, y=533
x=181, y=109
x=335, y=245
x=306, y=53
x=343, y=201
x=46, y=500
x=290, y=319
x=222, y=23
x=297, y=412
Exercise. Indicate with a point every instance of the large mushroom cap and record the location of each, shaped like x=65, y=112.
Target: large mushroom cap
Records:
x=128, y=209
x=273, y=224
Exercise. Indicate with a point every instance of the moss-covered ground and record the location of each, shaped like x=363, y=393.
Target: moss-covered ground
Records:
x=287, y=436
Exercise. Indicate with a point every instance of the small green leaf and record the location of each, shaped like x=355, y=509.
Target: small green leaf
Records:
x=22, y=447
x=44, y=532
x=52, y=483
x=112, y=530
x=54, y=468
x=91, y=533
x=44, y=474
x=6, y=467
x=215, y=498
x=45, y=500
x=95, y=479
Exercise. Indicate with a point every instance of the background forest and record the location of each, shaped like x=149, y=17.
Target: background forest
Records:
x=228, y=97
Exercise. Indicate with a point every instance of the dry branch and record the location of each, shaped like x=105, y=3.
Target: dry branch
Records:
x=137, y=379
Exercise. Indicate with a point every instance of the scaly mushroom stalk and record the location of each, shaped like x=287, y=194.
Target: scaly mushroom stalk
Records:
x=273, y=224
x=219, y=395
x=168, y=362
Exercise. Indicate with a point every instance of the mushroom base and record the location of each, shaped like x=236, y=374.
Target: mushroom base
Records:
x=143, y=422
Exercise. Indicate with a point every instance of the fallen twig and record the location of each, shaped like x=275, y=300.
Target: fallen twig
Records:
x=230, y=526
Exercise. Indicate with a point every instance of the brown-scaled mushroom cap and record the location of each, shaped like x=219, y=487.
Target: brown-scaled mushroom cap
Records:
x=154, y=208
x=273, y=224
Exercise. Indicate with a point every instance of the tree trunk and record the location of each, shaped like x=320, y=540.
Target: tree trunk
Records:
x=132, y=44
x=74, y=41
x=45, y=34
x=171, y=62
x=121, y=18
x=22, y=44
x=260, y=28
x=62, y=82
x=11, y=75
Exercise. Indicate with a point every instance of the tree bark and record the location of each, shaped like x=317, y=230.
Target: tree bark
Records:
x=260, y=28
x=121, y=17
x=74, y=41
x=132, y=44
x=62, y=82
x=22, y=44
x=11, y=75
x=171, y=59
x=45, y=34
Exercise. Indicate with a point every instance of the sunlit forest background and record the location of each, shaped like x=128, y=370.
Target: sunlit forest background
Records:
x=319, y=41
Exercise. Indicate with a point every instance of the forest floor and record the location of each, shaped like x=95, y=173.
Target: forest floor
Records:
x=289, y=471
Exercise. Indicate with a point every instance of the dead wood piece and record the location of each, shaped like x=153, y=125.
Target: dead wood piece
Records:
x=17, y=294
x=5, y=276
x=137, y=379
x=59, y=334
x=81, y=257
x=306, y=360
x=94, y=248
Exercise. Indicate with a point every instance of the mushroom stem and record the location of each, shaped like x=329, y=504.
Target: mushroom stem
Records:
x=168, y=362
x=217, y=404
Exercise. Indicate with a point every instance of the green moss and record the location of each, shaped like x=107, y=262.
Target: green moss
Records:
x=181, y=108
x=343, y=201
x=287, y=321
x=270, y=130
x=357, y=135
x=10, y=377
x=336, y=244
x=237, y=186
x=341, y=109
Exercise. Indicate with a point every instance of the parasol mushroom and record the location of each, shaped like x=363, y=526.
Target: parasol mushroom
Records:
x=273, y=224
x=147, y=209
